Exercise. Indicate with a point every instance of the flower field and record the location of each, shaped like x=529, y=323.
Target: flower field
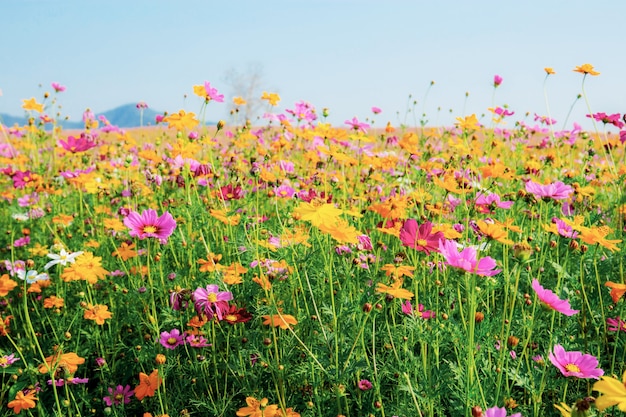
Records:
x=293, y=268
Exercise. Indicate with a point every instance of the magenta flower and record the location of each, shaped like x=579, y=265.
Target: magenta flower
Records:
x=499, y=412
x=613, y=119
x=303, y=111
x=503, y=112
x=467, y=259
x=197, y=341
x=407, y=309
x=212, y=93
x=364, y=385
x=142, y=105
x=551, y=300
x=356, y=125
x=419, y=237
x=284, y=191
x=486, y=203
x=555, y=191
x=76, y=145
x=615, y=325
x=211, y=301
x=497, y=80
x=172, y=339
x=7, y=360
x=376, y=110
x=58, y=87
x=149, y=225
x=119, y=395
x=575, y=363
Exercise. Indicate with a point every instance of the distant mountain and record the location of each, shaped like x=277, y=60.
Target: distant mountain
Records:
x=125, y=116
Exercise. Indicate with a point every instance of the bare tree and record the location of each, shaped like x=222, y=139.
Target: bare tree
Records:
x=246, y=84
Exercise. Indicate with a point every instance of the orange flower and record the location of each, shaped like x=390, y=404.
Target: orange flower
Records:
x=6, y=285
x=494, y=231
x=114, y=224
x=125, y=251
x=99, y=313
x=67, y=361
x=31, y=104
x=4, y=325
x=147, y=384
x=258, y=408
x=394, y=290
x=618, y=290
x=181, y=120
x=586, y=69
x=272, y=98
x=549, y=70
x=279, y=320
x=53, y=301
x=398, y=271
x=23, y=401
x=238, y=101
x=597, y=235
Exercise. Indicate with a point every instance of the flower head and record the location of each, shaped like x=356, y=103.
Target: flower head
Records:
x=420, y=236
x=467, y=259
x=147, y=384
x=497, y=80
x=23, y=401
x=7, y=360
x=211, y=301
x=555, y=191
x=614, y=393
x=258, y=408
x=149, y=225
x=575, y=363
x=364, y=385
x=119, y=395
x=586, y=69
x=171, y=339
x=62, y=258
x=551, y=300
x=499, y=412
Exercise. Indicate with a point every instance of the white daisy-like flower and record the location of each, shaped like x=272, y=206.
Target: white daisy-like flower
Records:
x=62, y=258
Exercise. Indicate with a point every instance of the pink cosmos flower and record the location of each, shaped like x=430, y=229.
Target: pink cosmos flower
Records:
x=575, y=363
x=503, y=112
x=467, y=259
x=212, y=93
x=551, y=300
x=356, y=125
x=407, y=309
x=142, y=105
x=556, y=190
x=364, y=385
x=616, y=324
x=497, y=80
x=376, y=110
x=197, y=341
x=58, y=87
x=172, y=339
x=7, y=360
x=149, y=225
x=80, y=144
x=119, y=395
x=613, y=119
x=485, y=203
x=211, y=301
x=499, y=412
x=419, y=237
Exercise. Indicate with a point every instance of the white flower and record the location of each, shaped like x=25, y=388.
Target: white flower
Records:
x=31, y=276
x=62, y=258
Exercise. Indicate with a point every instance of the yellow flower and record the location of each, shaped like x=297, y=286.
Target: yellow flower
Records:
x=31, y=104
x=468, y=122
x=597, y=235
x=98, y=313
x=272, y=98
x=394, y=290
x=318, y=214
x=238, y=101
x=549, y=71
x=258, y=408
x=614, y=392
x=586, y=69
x=182, y=120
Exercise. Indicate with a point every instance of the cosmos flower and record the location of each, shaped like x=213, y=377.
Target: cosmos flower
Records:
x=420, y=236
x=555, y=191
x=499, y=412
x=119, y=395
x=614, y=393
x=62, y=258
x=467, y=259
x=575, y=363
x=586, y=69
x=497, y=80
x=171, y=339
x=551, y=300
x=357, y=126
x=211, y=301
x=149, y=225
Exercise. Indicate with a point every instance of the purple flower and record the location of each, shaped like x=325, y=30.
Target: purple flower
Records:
x=212, y=93
x=485, y=203
x=364, y=385
x=7, y=360
x=555, y=191
x=356, y=125
x=497, y=80
x=499, y=412
x=211, y=301
x=197, y=341
x=58, y=87
x=376, y=110
x=172, y=339
x=575, y=363
x=407, y=309
x=119, y=395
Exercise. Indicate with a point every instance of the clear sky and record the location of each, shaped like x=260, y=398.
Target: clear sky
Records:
x=346, y=55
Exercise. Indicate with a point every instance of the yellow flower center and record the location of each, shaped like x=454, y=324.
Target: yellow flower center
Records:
x=172, y=341
x=119, y=398
x=231, y=318
x=422, y=242
x=572, y=368
x=3, y=361
x=149, y=229
x=212, y=297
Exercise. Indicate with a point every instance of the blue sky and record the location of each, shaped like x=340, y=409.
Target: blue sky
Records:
x=346, y=55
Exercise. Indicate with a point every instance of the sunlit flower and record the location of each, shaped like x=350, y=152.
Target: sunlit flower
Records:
x=394, y=289
x=211, y=301
x=181, y=120
x=272, y=98
x=468, y=122
x=555, y=191
x=357, y=126
x=467, y=259
x=617, y=290
x=497, y=80
x=613, y=393
x=586, y=69
x=66, y=361
x=575, y=363
x=62, y=258
x=208, y=93
x=7, y=360
x=6, y=285
x=597, y=236
x=499, y=412
x=551, y=300
x=98, y=313
x=549, y=71
x=58, y=87
x=75, y=145
x=31, y=104
x=420, y=236
x=284, y=321
x=149, y=225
